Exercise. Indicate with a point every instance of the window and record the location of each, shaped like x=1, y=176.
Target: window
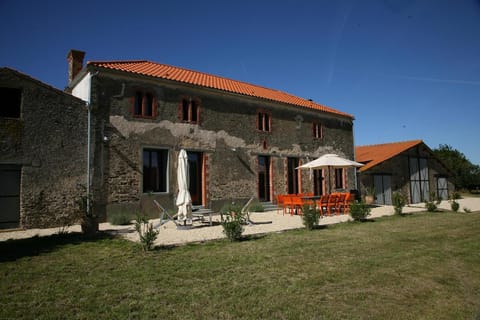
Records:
x=190, y=110
x=339, y=179
x=10, y=103
x=264, y=121
x=317, y=130
x=155, y=163
x=144, y=105
x=292, y=176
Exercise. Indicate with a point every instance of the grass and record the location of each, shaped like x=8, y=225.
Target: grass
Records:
x=423, y=266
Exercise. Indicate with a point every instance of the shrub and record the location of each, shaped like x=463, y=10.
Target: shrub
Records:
x=466, y=210
x=455, y=206
x=257, y=207
x=120, y=218
x=429, y=204
x=359, y=211
x=455, y=195
x=232, y=221
x=310, y=217
x=146, y=233
x=399, y=202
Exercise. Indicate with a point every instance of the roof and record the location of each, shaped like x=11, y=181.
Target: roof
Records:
x=162, y=71
x=38, y=82
x=373, y=155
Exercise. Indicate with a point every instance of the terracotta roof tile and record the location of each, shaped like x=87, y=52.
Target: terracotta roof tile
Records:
x=373, y=155
x=162, y=71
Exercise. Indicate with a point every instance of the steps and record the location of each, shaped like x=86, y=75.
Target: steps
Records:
x=268, y=206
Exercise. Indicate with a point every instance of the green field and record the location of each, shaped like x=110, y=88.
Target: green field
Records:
x=422, y=266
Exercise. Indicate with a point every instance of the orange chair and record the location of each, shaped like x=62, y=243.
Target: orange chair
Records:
x=323, y=204
x=288, y=203
x=332, y=203
x=349, y=199
x=281, y=202
x=340, y=203
x=297, y=204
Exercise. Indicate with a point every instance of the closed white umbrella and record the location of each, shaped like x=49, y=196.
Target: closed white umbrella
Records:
x=328, y=161
x=184, y=200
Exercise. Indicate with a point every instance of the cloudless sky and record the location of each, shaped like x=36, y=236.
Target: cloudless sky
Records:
x=406, y=69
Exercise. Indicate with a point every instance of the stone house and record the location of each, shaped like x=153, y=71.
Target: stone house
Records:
x=42, y=152
x=242, y=140
x=407, y=167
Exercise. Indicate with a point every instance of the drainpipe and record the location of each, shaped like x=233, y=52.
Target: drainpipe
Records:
x=89, y=138
x=354, y=159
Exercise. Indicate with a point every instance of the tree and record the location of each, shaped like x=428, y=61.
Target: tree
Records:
x=465, y=174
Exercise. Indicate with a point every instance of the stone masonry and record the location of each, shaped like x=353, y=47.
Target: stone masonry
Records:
x=47, y=143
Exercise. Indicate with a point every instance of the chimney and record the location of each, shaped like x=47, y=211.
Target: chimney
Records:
x=75, y=63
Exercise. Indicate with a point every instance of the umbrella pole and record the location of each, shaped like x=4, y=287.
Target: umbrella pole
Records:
x=329, y=180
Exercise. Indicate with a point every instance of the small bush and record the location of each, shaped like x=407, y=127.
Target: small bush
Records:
x=146, y=232
x=310, y=217
x=455, y=195
x=455, y=206
x=430, y=206
x=399, y=201
x=232, y=222
x=359, y=211
x=257, y=207
x=120, y=218
x=466, y=210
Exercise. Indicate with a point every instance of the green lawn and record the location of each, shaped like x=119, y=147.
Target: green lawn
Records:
x=423, y=266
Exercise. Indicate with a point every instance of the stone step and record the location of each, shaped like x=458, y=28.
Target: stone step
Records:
x=268, y=206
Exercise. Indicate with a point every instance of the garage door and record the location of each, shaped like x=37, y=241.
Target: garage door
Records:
x=9, y=197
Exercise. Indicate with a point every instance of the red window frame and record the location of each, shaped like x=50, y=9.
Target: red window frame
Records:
x=317, y=130
x=264, y=121
x=144, y=105
x=189, y=110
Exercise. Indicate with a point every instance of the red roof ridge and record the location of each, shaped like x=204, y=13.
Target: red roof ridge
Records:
x=391, y=143
x=115, y=61
x=212, y=81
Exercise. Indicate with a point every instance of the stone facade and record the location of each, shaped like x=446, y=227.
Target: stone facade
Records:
x=225, y=136
x=46, y=145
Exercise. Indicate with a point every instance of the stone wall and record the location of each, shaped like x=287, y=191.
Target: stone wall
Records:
x=48, y=142
x=226, y=135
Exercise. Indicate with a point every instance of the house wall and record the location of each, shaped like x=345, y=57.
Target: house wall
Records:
x=399, y=170
x=48, y=144
x=226, y=135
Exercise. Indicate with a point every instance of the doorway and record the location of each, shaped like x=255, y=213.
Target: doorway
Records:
x=318, y=182
x=419, y=183
x=9, y=197
x=195, y=167
x=264, y=178
x=292, y=176
x=383, y=189
x=442, y=188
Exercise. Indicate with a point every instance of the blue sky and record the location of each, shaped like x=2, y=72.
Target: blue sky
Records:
x=406, y=69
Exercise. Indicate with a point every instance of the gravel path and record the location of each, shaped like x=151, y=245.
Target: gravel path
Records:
x=264, y=222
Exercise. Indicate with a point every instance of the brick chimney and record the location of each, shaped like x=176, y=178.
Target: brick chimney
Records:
x=75, y=63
